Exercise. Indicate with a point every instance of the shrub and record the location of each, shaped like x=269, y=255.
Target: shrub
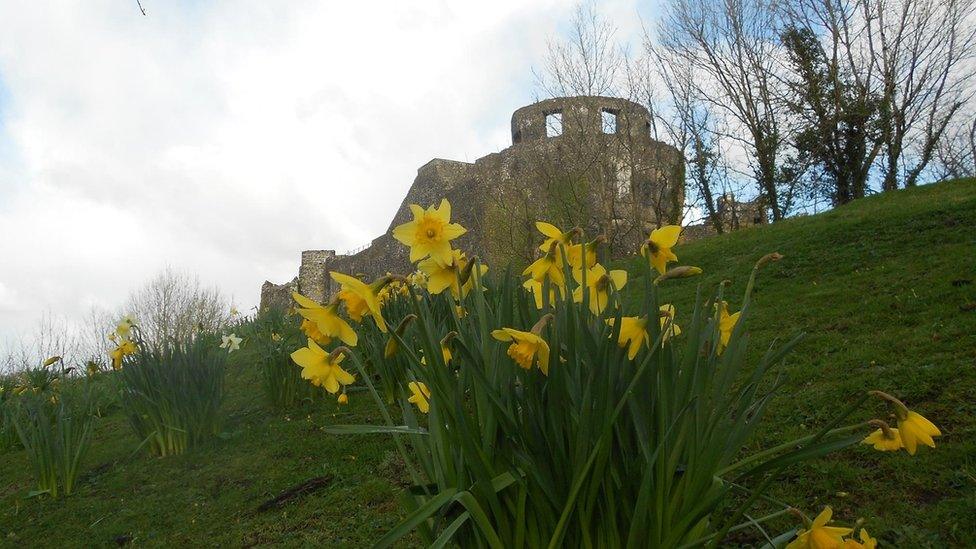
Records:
x=172, y=395
x=55, y=430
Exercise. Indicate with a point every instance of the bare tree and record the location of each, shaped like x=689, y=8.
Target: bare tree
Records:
x=732, y=47
x=589, y=62
x=175, y=306
x=920, y=50
x=955, y=156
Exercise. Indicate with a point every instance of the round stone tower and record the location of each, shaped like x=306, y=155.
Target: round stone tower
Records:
x=583, y=115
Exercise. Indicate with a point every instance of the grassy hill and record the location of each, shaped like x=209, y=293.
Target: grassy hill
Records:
x=885, y=288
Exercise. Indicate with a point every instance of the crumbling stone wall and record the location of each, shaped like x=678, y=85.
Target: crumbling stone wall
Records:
x=277, y=296
x=612, y=179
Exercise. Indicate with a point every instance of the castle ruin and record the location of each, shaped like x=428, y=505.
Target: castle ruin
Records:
x=587, y=162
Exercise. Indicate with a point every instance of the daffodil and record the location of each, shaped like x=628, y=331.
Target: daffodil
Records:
x=819, y=535
x=667, y=321
x=548, y=266
x=417, y=279
x=657, y=248
x=597, y=285
x=125, y=326
x=124, y=349
x=230, y=342
x=579, y=254
x=440, y=275
x=527, y=348
x=633, y=333
x=343, y=399
x=912, y=426
x=321, y=368
x=535, y=288
x=430, y=233
x=726, y=324
x=51, y=361
x=311, y=330
x=419, y=395
x=867, y=542
x=885, y=439
x=554, y=235
x=362, y=297
x=326, y=319
x=445, y=354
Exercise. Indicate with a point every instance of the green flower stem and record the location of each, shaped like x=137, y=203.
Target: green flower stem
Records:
x=779, y=448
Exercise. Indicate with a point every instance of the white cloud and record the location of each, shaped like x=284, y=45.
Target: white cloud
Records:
x=223, y=138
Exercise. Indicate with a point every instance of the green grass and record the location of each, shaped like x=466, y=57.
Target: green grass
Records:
x=885, y=288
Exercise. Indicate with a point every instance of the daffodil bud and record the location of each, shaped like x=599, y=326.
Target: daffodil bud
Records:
x=537, y=329
x=392, y=346
x=51, y=361
x=465, y=273
x=684, y=271
x=343, y=399
x=775, y=256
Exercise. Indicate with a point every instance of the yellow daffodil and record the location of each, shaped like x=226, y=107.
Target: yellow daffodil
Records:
x=419, y=395
x=430, y=233
x=885, y=439
x=527, y=347
x=580, y=254
x=657, y=248
x=598, y=282
x=554, y=235
x=230, y=342
x=124, y=349
x=361, y=298
x=441, y=275
x=535, y=288
x=819, y=535
x=311, y=330
x=633, y=333
x=548, y=266
x=445, y=353
x=912, y=426
x=275, y=336
x=667, y=321
x=51, y=361
x=417, y=279
x=321, y=368
x=125, y=326
x=726, y=324
x=867, y=542
x=343, y=399
x=326, y=319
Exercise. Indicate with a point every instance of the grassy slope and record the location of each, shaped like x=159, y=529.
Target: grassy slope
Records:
x=871, y=283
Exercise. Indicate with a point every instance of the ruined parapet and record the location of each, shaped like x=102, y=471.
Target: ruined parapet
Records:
x=584, y=115
x=313, y=274
x=277, y=296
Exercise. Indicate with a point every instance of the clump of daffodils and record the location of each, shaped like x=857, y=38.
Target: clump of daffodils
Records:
x=546, y=391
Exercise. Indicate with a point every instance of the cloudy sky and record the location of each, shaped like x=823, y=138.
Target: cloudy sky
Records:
x=222, y=138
